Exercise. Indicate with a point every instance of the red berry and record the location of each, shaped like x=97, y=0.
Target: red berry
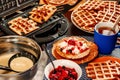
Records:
x=63, y=73
x=71, y=42
x=80, y=43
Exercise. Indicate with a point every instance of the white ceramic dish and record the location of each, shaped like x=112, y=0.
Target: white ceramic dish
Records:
x=63, y=62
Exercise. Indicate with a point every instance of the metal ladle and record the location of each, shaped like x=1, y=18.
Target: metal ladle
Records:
x=23, y=54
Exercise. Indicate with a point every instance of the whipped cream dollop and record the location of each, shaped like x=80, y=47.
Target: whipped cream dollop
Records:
x=73, y=45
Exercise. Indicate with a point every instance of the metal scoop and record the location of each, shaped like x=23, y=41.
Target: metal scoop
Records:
x=18, y=55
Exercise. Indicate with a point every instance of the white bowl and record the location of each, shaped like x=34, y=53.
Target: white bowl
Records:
x=63, y=62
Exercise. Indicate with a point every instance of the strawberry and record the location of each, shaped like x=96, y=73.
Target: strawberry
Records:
x=71, y=42
x=80, y=43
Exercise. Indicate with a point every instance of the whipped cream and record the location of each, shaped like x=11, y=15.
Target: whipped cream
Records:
x=73, y=45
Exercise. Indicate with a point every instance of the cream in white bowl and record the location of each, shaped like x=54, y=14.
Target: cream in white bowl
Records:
x=63, y=62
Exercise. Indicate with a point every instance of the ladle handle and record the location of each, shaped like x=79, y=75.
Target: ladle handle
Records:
x=44, y=47
x=5, y=68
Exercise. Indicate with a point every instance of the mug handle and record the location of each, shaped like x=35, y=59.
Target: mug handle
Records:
x=118, y=46
x=119, y=34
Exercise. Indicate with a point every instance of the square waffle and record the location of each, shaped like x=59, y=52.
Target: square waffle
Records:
x=108, y=70
x=22, y=25
x=42, y=13
x=111, y=6
x=106, y=17
x=85, y=18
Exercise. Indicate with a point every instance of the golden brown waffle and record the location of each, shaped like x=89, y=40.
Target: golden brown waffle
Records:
x=93, y=5
x=42, y=13
x=107, y=70
x=86, y=16
x=60, y=2
x=22, y=25
x=72, y=47
x=85, y=19
x=106, y=17
x=111, y=6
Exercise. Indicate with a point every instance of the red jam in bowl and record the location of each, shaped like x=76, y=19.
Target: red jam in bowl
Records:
x=63, y=73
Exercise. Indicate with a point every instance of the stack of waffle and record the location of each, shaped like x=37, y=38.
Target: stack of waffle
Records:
x=86, y=16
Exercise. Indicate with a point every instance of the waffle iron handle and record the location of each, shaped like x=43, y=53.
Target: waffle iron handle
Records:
x=61, y=31
x=42, y=40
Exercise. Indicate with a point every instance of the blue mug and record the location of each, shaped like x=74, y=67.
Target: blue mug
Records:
x=105, y=43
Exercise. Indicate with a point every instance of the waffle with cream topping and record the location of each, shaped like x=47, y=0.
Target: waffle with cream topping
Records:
x=78, y=58
x=72, y=47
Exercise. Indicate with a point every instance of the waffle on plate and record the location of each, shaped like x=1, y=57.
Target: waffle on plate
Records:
x=41, y=14
x=75, y=48
x=86, y=16
x=60, y=2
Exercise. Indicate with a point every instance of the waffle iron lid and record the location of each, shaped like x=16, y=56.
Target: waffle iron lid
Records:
x=8, y=7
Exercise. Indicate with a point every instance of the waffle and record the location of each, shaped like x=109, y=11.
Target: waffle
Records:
x=111, y=6
x=60, y=2
x=22, y=25
x=107, y=17
x=56, y=2
x=72, y=47
x=42, y=13
x=108, y=70
x=86, y=58
x=86, y=16
x=93, y=5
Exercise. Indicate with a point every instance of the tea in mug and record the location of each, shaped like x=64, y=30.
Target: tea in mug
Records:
x=106, y=30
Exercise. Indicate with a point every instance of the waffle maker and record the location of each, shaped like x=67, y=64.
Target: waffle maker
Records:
x=56, y=26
